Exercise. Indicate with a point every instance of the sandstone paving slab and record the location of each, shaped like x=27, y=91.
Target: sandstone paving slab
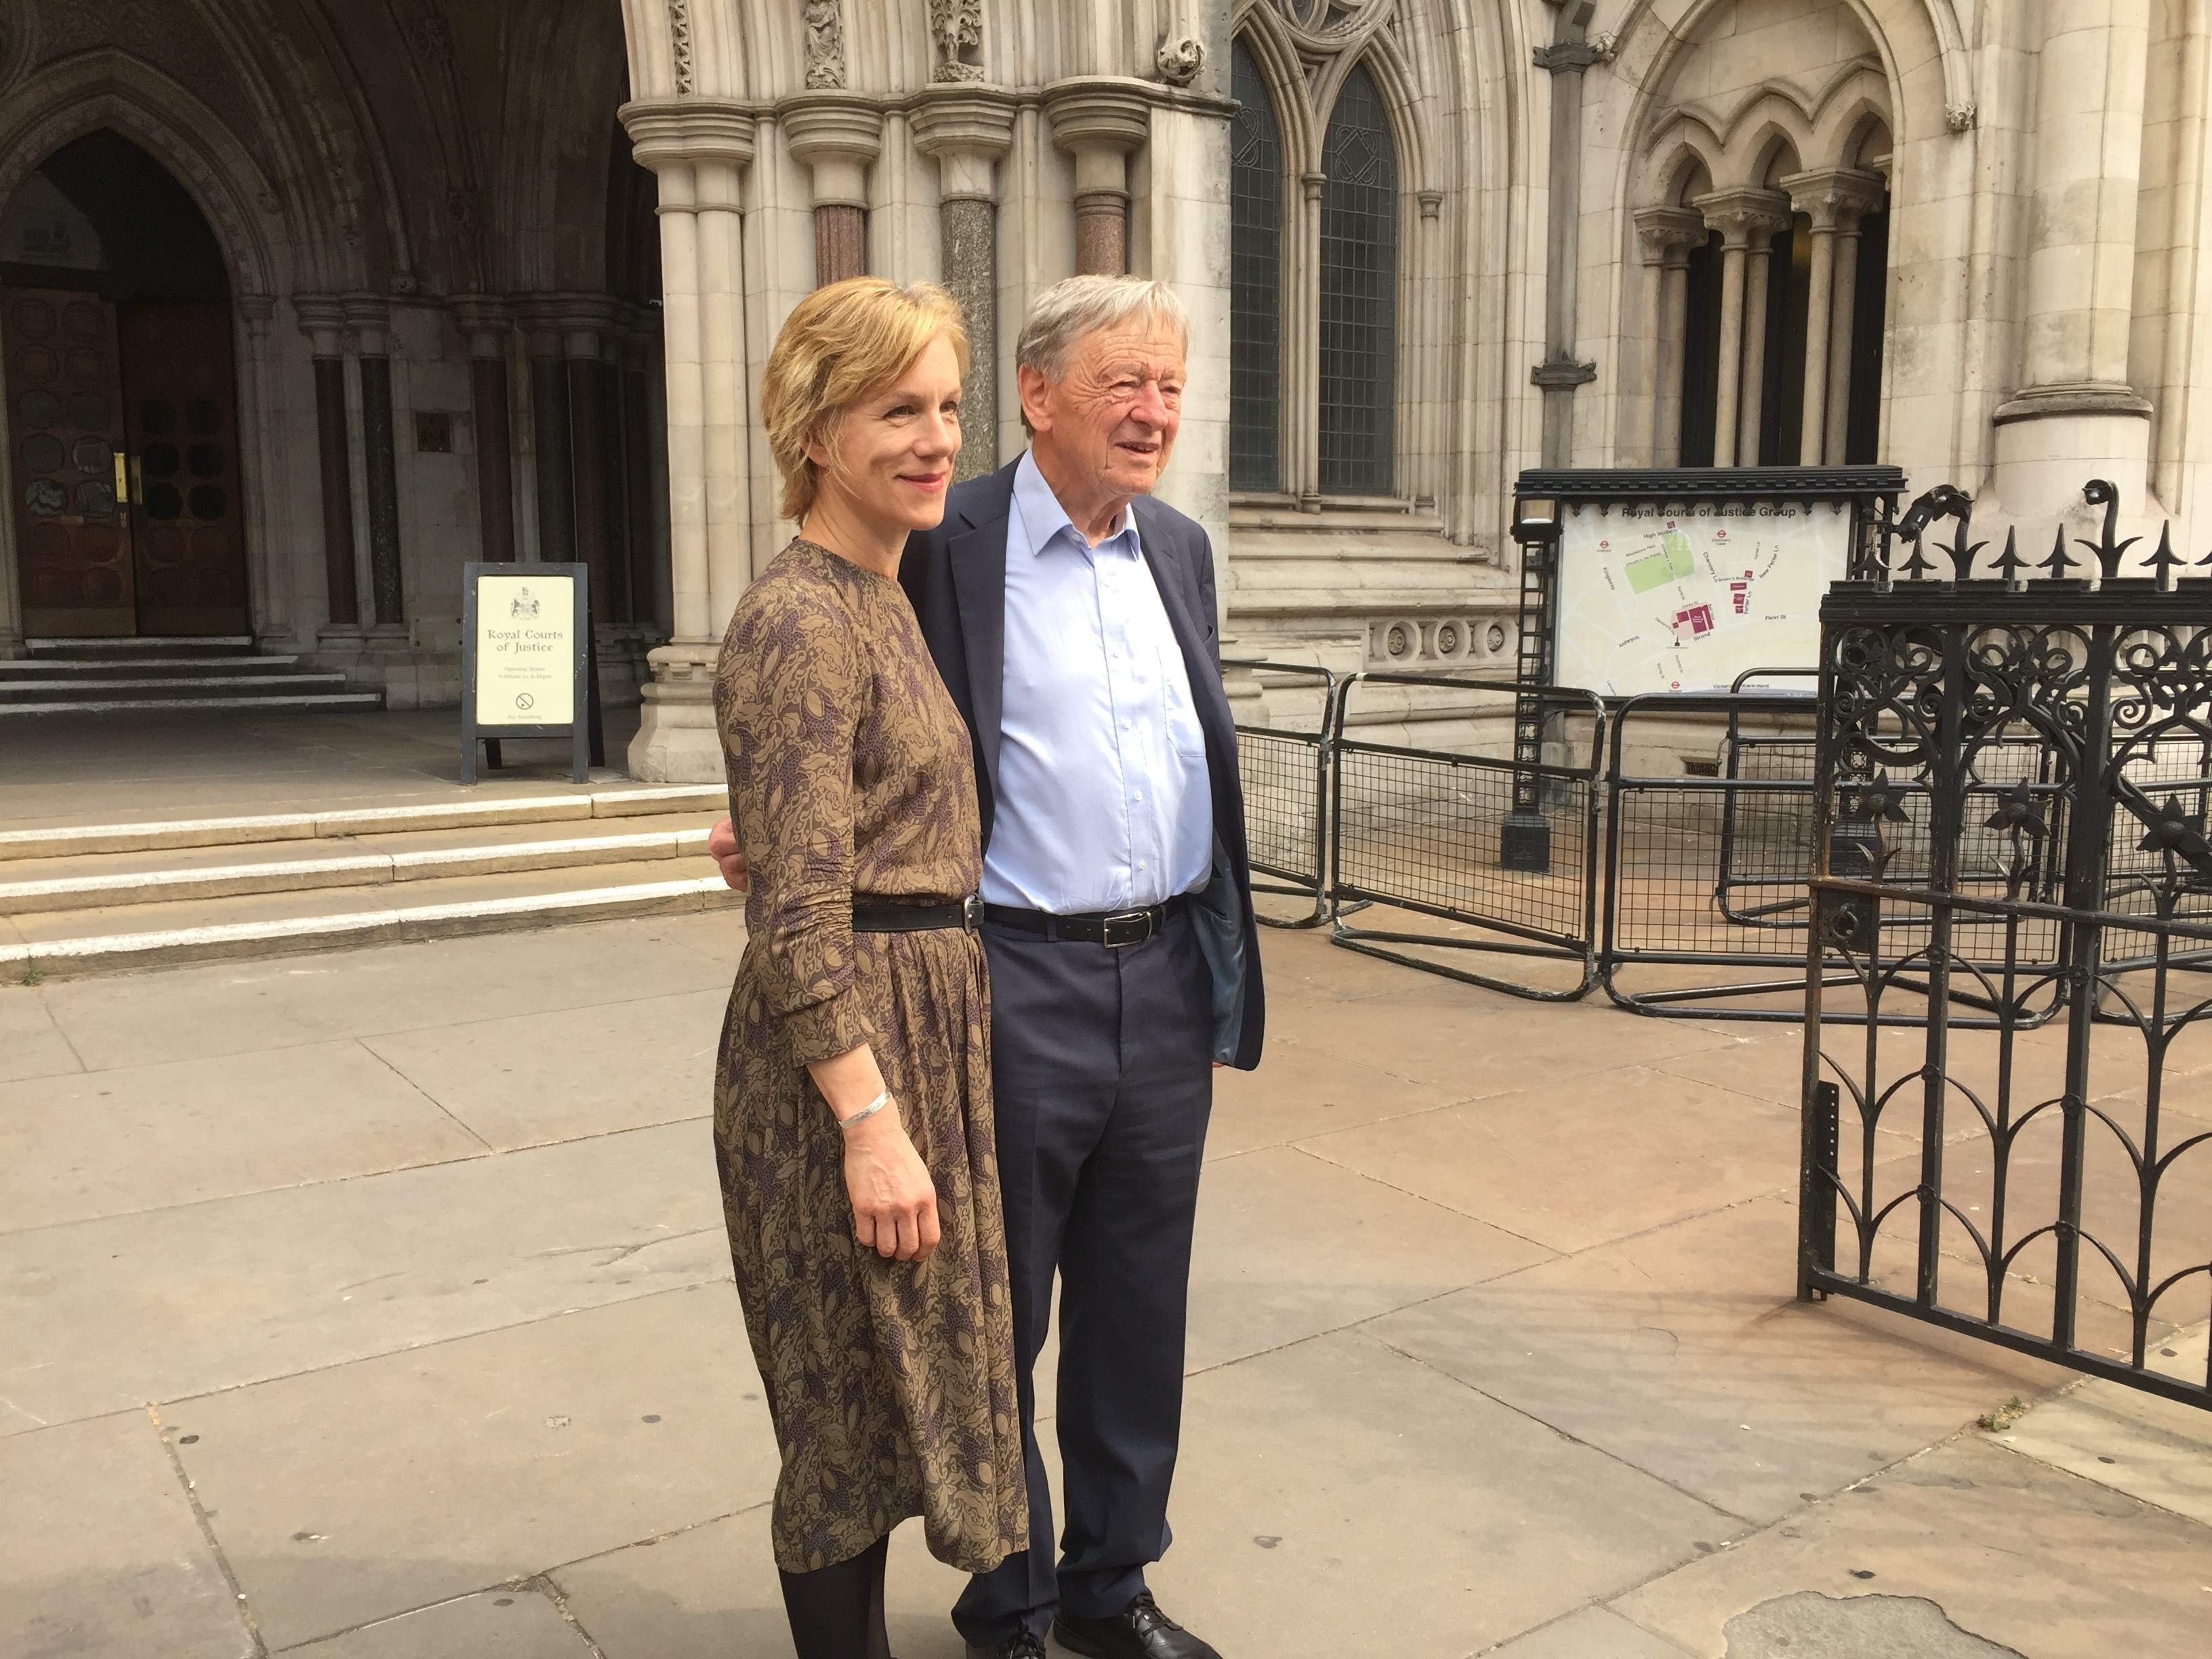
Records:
x=100, y=1556
x=711, y=1593
x=31, y=1044
x=2011, y=1550
x=1478, y=1042
x=1592, y=1633
x=717, y=935
x=2157, y=1449
x=1289, y=1246
x=1299, y=1092
x=1335, y=1492
x=502, y=1624
x=364, y=1491
x=1573, y=1167
x=1684, y=1353
x=145, y=1137
x=528, y=1079
x=233, y=1007
x=161, y=1304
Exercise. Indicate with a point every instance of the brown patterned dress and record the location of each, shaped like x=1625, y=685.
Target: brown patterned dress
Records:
x=891, y=1382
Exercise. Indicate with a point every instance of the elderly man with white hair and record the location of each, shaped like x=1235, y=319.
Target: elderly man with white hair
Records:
x=1073, y=619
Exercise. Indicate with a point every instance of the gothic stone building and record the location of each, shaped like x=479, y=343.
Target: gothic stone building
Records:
x=306, y=302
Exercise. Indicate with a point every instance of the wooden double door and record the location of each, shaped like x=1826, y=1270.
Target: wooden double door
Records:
x=122, y=431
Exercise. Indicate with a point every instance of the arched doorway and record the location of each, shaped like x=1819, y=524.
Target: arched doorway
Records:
x=122, y=416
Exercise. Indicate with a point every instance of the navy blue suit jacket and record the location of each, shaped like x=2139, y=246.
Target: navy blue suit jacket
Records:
x=956, y=577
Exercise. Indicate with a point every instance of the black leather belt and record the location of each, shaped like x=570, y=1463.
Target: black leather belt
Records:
x=1113, y=928
x=888, y=916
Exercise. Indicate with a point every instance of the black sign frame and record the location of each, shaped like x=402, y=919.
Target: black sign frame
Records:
x=577, y=728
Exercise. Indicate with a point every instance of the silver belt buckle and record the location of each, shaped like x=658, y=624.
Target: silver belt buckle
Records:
x=971, y=912
x=1107, y=925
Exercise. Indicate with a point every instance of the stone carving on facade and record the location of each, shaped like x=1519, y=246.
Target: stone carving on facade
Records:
x=679, y=44
x=1180, y=61
x=957, y=29
x=825, y=45
x=1960, y=116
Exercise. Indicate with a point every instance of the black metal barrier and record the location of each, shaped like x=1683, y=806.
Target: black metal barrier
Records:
x=1286, y=776
x=1682, y=893
x=1426, y=832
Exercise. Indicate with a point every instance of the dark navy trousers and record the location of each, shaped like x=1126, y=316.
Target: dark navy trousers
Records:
x=1102, y=1072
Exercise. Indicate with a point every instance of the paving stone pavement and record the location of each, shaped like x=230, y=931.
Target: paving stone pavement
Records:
x=375, y=1306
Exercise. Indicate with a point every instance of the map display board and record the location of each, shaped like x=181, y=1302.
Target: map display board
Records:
x=1684, y=596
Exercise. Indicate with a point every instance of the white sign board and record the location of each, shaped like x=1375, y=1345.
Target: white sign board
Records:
x=1685, y=597
x=526, y=651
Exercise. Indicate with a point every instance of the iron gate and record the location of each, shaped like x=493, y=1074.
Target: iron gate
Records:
x=2009, y=822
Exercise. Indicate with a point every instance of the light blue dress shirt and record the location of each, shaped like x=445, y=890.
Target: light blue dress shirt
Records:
x=1103, y=800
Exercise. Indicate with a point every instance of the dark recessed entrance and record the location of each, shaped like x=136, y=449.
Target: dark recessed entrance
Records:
x=122, y=407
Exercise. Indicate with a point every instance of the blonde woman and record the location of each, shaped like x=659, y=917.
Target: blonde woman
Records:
x=853, y=1121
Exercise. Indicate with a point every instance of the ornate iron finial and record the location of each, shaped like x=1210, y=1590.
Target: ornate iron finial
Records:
x=2016, y=810
x=1878, y=802
x=2105, y=493
x=2009, y=563
x=2172, y=832
x=2163, y=563
x=1919, y=565
x=1962, y=553
x=2058, y=564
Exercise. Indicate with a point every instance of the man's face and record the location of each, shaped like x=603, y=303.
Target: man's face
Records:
x=1112, y=417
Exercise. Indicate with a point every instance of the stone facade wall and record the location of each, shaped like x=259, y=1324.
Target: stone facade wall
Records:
x=436, y=176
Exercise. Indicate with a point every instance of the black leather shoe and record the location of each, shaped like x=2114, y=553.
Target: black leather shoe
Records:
x=1022, y=1645
x=1140, y=1630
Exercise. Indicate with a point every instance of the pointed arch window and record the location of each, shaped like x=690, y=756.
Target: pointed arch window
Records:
x=1255, y=281
x=1313, y=270
x=1359, y=292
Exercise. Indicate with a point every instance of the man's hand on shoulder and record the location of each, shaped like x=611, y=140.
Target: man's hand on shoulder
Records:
x=723, y=847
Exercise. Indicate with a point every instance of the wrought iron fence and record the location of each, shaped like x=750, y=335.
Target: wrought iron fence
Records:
x=2041, y=1183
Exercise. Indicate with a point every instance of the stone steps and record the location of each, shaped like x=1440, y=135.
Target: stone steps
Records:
x=102, y=897
x=108, y=677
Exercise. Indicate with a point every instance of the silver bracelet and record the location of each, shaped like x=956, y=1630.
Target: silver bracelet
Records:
x=866, y=1111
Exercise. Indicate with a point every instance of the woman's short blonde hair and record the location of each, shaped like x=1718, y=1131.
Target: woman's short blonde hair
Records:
x=840, y=343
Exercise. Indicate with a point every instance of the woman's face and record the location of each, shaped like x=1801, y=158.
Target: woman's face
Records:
x=895, y=448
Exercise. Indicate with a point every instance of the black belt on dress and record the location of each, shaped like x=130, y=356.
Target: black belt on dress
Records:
x=1112, y=928
x=872, y=915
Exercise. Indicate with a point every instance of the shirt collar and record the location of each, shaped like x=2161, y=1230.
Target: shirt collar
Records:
x=1046, y=519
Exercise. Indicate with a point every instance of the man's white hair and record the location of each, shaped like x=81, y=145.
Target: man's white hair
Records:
x=1068, y=310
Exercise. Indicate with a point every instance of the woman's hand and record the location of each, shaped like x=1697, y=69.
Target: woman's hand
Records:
x=894, y=1200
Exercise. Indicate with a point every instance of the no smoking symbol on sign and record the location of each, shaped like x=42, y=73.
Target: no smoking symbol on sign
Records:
x=525, y=701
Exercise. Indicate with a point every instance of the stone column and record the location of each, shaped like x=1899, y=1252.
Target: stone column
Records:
x=1830, y=197
x=322, y=319
x=1303, y=313
x=1100, y=120
x=552, y=463
x=966, y=129
x=1666, y=234
x=639, y=347
x=1843, y=318
x=269, y=540
x=369, y=318
x=586, y=320
x=836, y=137
x=486, y=321
x=1729, y=213
x=1562, y=370
x=2075, y=416
x=699, y=149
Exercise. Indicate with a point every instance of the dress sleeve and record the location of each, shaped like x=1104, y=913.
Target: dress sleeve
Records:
x=788, y=696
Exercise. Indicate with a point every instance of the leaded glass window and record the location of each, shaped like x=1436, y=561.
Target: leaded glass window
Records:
x=1255, y=282
x=1359, y=292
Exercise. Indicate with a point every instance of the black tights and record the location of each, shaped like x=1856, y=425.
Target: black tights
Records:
x=837, y=1612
